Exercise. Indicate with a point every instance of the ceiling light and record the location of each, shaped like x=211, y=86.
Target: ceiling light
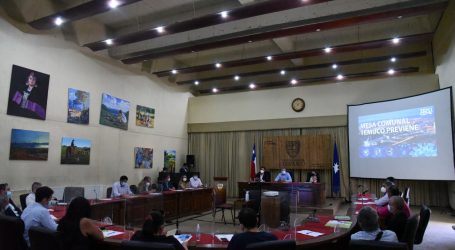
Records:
x=395, y=40
x=160, y=29
x=328, y=50
x=293, y=81
x=340, y=77
x=399, y=17
x=250, y=41
x=214, y=90
x=174, y=71
x=334, y=66
x=236, y=77
x=196, y=82
x=318, y=30
x=269, y=58
x=224, y=14
x=113, y=4
x=391, y=71
x=109, y=41
x=393, y=59
x=283, y=72
x=218, y=65
x=58, y=21
x=252, y=86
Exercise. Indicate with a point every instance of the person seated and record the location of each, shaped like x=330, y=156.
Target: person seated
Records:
x=283, y=176
x=368, y=222
x=251, y=234
x=162, y=175
x=384, y=200
x=397, y=220
x=313, y=177
x=263, y=176
x=30, y=199
x=76, y=229
x=37, y=214
x=153, y=231
x=5, y=189
x=384, y=212
x=184, y=169
x=183, y=183
x=6, y=208
x=166, y=184
x=145, y=185
x=121, y=188
x=391, y=179
x=195, y=181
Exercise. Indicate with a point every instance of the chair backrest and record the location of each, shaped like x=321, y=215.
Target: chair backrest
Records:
x=219, y=195
x=12, y=233
x=274, y=244
x=109, y=192
x=140, y=245
x=70, y=193
x=43, y=239
x=23, y=200
x=410, y=231
x=376, y=245
x=423, y=222
x=405, y=195
x=134, y=189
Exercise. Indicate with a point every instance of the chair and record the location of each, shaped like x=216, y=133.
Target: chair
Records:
x=44, y=239
x=12, y=233
x=134, y=189
x=69, y=193
x=219, y=200
x=423, y=222
x=23, y=200
x=410, y=231
x=376, y=245
x=139, y=245
x=272, y=245
x=109, y=192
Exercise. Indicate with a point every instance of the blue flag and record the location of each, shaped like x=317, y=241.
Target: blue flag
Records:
x=335, y=171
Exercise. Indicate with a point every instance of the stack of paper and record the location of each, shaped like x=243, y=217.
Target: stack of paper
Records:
x=110, y=233
x=342, y=217
x=310, y=233
x=340, y=224
x=182, y=237
x=224, y=237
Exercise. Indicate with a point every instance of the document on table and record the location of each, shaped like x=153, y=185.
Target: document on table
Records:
x=310, y=233
x=340, y=224
x=182, y=237
x=365, y=203
x=110, y=233
x=224, y=237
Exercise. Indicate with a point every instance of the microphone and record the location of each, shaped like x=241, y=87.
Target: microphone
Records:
x=364, y=192
x=96, y=194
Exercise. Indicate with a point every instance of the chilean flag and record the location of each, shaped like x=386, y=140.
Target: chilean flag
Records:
x=335, y=171
x=253, y=163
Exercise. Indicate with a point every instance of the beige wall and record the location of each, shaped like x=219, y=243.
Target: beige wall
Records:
x=112, y=149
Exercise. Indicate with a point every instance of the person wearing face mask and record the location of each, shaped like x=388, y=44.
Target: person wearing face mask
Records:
x=283, y=176
x=183, y=183
x=398, y=216
x=263, y=176
x=384, y=200
x=121, y=188
x=6, y=208
x=37, y=214
x=145, y=185
x=195, y=181
x=5, y=189
x=166, y=185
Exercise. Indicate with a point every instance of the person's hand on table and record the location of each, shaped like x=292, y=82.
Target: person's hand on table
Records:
x=185, y=244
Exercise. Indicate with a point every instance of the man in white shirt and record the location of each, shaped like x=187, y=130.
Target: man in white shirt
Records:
x=30, y=199
x=195, y=182
x=384, y=200
x=121, y=188
x=368, y=221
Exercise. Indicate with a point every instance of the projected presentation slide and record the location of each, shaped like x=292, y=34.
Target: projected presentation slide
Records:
x=403, y=133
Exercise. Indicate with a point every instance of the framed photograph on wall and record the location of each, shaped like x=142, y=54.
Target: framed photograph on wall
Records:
x=114, y=112
x=29, y=145
x=145, y=117
x=75, y=151
x=78, y=106
x=169, y=160
x=28, y=93
x=143, y=157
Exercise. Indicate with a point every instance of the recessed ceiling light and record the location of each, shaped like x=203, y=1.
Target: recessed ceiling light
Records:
x=269, y=58
x=395, y=40
x=393, y=59
x=218, y=65
x=318, y=30
x=283, y=72
x=250, y=41
x=340, y=77
x=293, y=81
x=328, y=50
x=252, y=86
x=109, y=41
x=58, y=21
x=214, y=90
x=174, y=71
x=160, y=29
x=236, y=77
x=399, y=17
x=391, y=71
x=334, y=66
x=224, y=14
x=113, y=4
x=196, y=82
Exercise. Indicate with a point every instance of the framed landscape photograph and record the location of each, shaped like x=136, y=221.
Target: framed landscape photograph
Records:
x=75, y=151
x=145, y=117
x=169, y=160
x=29, y=145
x=114, y=112
x=143, y=157
x=28, y=93
x=78, y=106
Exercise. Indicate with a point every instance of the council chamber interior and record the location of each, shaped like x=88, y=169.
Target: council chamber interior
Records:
x=203, y=110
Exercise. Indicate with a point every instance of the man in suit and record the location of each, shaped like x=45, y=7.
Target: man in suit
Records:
x=262, y=175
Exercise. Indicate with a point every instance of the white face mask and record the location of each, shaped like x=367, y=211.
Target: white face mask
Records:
x=283, y=171
x=184, y=179
x=9, y=194
x=262, y=171
x=123, y=183
x=147, y=184
x=383, y=189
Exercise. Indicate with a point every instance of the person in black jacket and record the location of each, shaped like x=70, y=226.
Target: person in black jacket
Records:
x=262, y=175
x=397, y=220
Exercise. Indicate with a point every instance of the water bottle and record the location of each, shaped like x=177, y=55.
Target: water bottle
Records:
x=198, y=232
x=247, y=196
